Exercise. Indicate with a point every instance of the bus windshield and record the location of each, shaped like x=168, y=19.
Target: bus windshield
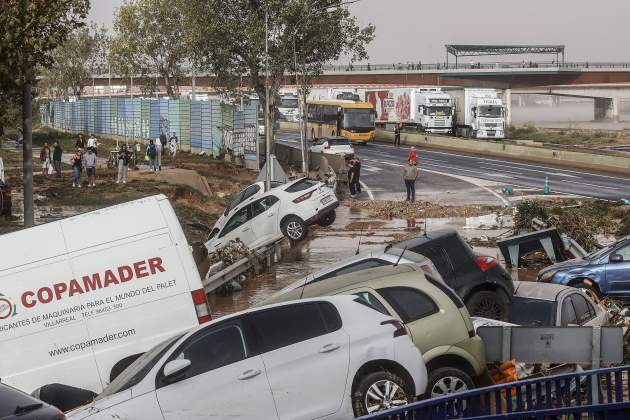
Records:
x=491, y=111
x=358, y=118
x=288, y=103
x=437, y=110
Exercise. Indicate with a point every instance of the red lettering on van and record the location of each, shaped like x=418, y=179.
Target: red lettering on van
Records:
x=155, y=265
x=25, y=302
x=75, y=288
x=125, y=273
x=59, y=289
x=141, y=269
x=44, y=295
x=110, y=278
x=92, y=283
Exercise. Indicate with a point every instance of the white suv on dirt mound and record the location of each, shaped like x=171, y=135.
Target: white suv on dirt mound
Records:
x=333, y=357
x=258, y=218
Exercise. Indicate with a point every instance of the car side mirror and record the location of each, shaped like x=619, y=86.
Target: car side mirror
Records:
x=174, y=370
x=615, y=258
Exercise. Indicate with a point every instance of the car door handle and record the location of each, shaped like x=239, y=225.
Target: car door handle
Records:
x=249, y=374
x=329, y=347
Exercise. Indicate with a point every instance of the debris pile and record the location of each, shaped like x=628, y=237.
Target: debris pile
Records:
x=230, y=253
x=404, y=210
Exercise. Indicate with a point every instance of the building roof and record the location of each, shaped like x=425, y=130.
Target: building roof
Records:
x=479, y=50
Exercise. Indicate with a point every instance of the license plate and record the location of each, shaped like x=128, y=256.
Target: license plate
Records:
x=327, y=199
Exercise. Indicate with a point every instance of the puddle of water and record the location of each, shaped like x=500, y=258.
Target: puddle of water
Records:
x=340, y=241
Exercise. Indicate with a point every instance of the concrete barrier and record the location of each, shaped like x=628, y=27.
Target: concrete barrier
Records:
x=607, y=162
x=291, y=156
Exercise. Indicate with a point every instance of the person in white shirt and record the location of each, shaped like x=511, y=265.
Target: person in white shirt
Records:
x=158, y=154
x=173, y=144
x=93, y=143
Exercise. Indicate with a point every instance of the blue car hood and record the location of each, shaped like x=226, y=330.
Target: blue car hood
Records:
x=574, y=263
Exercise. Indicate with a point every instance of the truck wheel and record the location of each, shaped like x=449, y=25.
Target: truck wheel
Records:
x=294, y=228
x=327, y=219
x=491, y=304
x=378, y=391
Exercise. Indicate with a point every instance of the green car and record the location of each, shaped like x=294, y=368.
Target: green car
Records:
x=435, y=317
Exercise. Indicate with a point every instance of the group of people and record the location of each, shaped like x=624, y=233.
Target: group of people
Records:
x=157, y=148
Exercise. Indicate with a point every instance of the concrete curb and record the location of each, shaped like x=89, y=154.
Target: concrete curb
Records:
x=568, y=158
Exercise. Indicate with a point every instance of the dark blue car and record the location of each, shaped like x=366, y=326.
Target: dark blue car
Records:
x=605, y=272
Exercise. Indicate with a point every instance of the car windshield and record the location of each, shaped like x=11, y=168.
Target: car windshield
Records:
x=288, y=103
x=532, y=312
x=491, y=111
x=138, y=369
x=437, y=111
x=358, y=118
x=599, y=252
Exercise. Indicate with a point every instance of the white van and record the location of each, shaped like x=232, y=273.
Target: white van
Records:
x=82, y=297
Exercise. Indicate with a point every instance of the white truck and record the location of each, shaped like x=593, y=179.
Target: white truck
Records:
x=479, y=113
x=428, y=108
x=83, y=297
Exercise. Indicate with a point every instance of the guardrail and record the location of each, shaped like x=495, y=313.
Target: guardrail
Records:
x=560, y=396
x=474, y=65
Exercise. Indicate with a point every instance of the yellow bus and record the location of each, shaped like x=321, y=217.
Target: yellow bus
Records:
x=352, y=120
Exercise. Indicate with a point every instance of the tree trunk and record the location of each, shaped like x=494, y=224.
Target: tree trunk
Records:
x=27, y=135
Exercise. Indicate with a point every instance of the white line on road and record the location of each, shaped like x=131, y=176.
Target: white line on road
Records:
x=590, y=185
x=502, y=170
x=367, y=190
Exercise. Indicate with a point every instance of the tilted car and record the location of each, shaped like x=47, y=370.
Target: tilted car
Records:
x=604, y=272
x=333, y=145
x=257, y=217
x=479, y=280
x=436, y=318
x=553, y=305
x=17, y=405
x=328, y=357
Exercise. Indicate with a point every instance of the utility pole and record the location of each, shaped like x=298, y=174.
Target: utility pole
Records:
x=27, y=130
x=268, y=162
x=300, y=110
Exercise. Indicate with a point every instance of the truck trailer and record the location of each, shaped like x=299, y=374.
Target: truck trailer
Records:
x=479, y=113
x=428, y=109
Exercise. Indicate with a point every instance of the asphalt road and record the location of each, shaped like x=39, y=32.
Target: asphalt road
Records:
x=382, y=163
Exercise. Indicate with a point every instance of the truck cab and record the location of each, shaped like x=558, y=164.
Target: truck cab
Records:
x=435, y=111
x=488, y=118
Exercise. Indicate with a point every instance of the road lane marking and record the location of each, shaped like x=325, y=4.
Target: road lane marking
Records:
x=590, y=185
x=367, y=190
x=502, y=170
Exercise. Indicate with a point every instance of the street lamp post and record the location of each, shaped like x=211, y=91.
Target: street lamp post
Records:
x=268, y=162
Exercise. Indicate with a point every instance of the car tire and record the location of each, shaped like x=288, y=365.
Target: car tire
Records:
x=327, y=219
x=294, y=228
x=587, y=288
x=447, y=380
x=489, y=304
x=399, y=395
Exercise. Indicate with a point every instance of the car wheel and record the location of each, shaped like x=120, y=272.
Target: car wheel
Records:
x=327, y=219
x=590, y=290
x=447, y=380
x=379, y=391
x=294, y=228
x=488, y=304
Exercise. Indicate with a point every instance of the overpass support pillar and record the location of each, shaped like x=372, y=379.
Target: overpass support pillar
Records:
x=603, y=108
x=507, y=98
x=616, y=109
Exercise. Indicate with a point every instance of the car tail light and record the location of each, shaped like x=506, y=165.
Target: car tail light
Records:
x=303, y=197
x=486, y=263
x=201, y=306
x=400, y=328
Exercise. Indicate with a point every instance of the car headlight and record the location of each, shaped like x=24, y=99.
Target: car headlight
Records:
x=547, y=276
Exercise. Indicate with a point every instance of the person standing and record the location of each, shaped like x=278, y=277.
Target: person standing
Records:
x=397, y=135
x=93, y=143
x=152, y=152
x=123, y=164
x=57, y=154
x=77, y=167
x=173, y=144
x=90, y=164
x=44, y=156
x=81, y=143
x=158, y=153
x=410, y=175
x=357, y=175
x=412, y=155
x=352, y=179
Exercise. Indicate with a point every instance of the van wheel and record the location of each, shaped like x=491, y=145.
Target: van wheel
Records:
x=327, y=219
x=447, y=380
x=294, y=228
x=488, y=304
x=378, y=391
x=122, y=365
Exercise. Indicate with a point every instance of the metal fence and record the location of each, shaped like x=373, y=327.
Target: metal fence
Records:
x=475, y=65
x=601, y=393
x=199, y=125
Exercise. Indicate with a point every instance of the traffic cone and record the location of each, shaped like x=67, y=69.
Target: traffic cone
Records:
x=546, y=189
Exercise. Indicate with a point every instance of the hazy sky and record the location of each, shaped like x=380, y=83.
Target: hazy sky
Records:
x=418, y=29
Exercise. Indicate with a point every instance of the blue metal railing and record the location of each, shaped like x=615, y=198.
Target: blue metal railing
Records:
x=602, y=393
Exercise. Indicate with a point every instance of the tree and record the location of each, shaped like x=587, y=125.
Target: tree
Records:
x=81, y=56
x=229, y=36
x=149, y=39
x=30, y=32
